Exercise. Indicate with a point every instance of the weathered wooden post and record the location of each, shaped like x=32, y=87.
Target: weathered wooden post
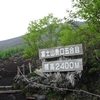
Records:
x=18, y=73
x=30, y=68
x=23, y=69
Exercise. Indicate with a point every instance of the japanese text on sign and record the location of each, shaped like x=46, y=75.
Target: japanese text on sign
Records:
x=65, y=65
x=61, y=51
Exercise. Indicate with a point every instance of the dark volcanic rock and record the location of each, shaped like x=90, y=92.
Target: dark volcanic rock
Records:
x=0, y=77
x=11, y=97
x=41, y=97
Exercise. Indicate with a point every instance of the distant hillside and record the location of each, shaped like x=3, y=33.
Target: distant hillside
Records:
x=81, y=23
x=11, y=43
x=19, y=41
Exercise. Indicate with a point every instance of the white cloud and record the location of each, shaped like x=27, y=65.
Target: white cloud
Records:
x=15, y=15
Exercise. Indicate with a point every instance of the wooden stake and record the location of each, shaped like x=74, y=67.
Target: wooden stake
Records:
x=30, y=68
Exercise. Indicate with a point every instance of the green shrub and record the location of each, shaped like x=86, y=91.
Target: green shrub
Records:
x=32, y=74
x=52, y=95
x=6, y=54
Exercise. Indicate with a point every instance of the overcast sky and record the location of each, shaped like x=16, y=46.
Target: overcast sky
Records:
x=15, y=15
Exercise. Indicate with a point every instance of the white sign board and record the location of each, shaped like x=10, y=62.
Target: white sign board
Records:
x=61, y=51
x=63, y=65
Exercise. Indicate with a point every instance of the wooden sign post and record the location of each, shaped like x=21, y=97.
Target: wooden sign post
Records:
x=62, y=65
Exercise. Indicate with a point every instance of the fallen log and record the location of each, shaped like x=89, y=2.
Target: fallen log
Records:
x=1, y=87
x=9, y=91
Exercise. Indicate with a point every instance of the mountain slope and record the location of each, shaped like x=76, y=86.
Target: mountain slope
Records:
x=11, y=43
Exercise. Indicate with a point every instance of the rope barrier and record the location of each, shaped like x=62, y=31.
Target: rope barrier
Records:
x=63, y=89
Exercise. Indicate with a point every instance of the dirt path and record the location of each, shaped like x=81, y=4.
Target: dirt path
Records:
x=8, y=70
x=7, y=80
